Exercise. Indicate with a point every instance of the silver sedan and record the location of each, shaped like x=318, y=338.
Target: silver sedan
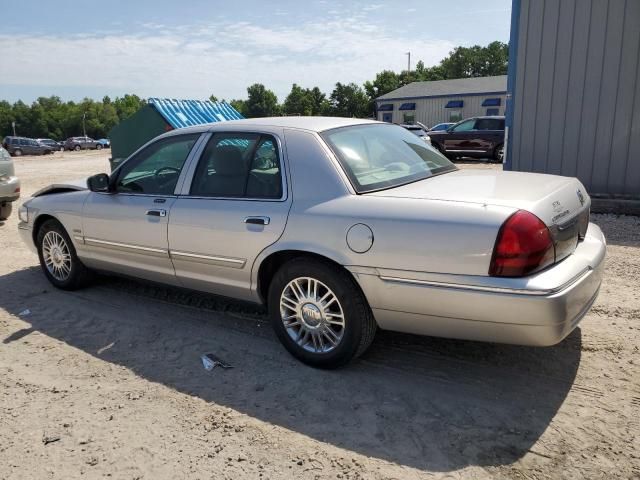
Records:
x=338, y=226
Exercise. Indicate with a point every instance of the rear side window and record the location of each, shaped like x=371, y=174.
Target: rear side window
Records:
x=489, y=124
x=239, y=165
x=24, y=141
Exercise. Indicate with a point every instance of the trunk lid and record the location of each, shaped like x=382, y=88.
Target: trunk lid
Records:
x=561, y=203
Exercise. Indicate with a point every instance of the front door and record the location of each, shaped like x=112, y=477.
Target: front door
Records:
x=236, y=205
x=462, y=138
x=126, y=230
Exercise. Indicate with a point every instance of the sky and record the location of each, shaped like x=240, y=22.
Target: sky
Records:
x=196, y=48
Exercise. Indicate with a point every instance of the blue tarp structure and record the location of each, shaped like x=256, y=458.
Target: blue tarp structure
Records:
x=187, y=113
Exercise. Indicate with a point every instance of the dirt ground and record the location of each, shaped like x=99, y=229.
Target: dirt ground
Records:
x=108, y=382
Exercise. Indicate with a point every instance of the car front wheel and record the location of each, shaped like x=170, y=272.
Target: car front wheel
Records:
x=77, y=148
x=58, y=258
x=498, y=154
x=319, y=313
x=5, y=211
x=99, y=146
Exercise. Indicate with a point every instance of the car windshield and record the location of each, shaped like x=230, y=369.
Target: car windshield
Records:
x=376, y=157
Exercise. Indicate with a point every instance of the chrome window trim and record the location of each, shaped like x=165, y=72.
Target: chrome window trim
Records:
x=186, y=187
x=480, y=288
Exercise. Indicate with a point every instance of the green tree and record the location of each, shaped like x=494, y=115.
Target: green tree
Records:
x=349, y=100
x=213, y=98
x=128, y=105
x=239, y=105
x=298, y=102
x=261, y=102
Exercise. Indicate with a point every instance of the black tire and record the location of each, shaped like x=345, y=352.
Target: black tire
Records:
x=5, y=211
x=79, y=275
x=99, y=146
x=17, y=152
x=77, y=148
x=360, y=326
x=498, y=154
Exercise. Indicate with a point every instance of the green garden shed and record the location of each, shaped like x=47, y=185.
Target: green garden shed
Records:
x=161, y=115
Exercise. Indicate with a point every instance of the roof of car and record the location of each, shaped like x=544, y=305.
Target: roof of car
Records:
x=314, y=124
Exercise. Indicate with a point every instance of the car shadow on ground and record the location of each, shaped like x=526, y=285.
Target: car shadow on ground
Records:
x=423, y=402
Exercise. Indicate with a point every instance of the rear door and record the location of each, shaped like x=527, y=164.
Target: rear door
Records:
x=234, y=207
x=490, y=133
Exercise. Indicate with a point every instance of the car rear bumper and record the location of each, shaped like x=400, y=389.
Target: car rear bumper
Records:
x=538, y=310
x=9, y=190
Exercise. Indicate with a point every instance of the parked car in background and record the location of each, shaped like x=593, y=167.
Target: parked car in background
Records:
x=55, y=146
x=82, y=143
x=418, y=131
x=18, y=146
x=339, y=226
x=440, y=126
x=478, y=137
x=9, y=184
x=105, y=142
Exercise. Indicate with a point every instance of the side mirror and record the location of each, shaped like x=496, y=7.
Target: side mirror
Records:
x=98, y=183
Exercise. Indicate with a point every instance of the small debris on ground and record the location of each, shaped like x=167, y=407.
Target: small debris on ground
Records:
x=210, y=361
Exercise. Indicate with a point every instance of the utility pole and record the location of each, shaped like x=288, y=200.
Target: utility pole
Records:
x=84, y=130
x=408, y=54
x=13, y=124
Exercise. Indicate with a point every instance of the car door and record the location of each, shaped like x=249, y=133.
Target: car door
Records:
x=462, y=137
x=125, y=230
x=491, y=133
x=235, y=206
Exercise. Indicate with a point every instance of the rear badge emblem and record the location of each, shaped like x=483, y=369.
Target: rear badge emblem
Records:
x=580, y=196
x=557, y=207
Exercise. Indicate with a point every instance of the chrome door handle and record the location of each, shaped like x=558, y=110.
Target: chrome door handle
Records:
x=257, y=220
x=157, y=213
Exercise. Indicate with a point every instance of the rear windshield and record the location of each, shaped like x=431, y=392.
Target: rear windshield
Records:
x=376, y=157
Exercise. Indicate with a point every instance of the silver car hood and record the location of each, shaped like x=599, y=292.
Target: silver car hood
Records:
x=552, y=198
x=71, y=186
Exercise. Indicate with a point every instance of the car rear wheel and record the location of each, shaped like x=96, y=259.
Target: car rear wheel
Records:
x=77, y=148
x=5, y=211
x=498, y=154
x=58, y=258
x=319, y=313
x=17, y=152
x=99, y=146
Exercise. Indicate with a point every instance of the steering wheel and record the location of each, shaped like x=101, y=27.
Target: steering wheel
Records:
x=157, y=174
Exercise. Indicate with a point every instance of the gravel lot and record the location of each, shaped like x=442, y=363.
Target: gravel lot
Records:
x=107, y=382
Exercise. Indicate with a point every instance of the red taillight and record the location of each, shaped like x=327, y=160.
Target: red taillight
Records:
x=523, y=246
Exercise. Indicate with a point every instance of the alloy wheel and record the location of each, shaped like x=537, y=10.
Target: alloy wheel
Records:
x=312, y=315
x=57, y=256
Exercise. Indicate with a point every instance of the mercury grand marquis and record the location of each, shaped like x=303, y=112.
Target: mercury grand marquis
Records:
x=338, y=226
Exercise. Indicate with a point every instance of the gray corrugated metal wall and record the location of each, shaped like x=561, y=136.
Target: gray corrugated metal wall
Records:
x=576, y=92
x=431, y=111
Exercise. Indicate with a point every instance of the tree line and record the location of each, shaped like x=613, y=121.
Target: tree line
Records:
x=50, y=117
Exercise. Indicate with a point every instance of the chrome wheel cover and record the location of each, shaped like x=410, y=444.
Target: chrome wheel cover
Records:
x=56, y=255
x=312, y=315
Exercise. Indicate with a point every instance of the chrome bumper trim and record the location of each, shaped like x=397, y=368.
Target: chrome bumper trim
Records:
x=481, y=288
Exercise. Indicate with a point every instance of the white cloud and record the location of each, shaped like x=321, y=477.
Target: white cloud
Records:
x=223, y=58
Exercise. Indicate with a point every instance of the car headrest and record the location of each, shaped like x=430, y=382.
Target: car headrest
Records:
x=227, y=160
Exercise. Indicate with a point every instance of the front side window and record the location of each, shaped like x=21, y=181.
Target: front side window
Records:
x=465, y=126
x=239, y=165
x=155, y=170
x=24, y=142
x=383, y=156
